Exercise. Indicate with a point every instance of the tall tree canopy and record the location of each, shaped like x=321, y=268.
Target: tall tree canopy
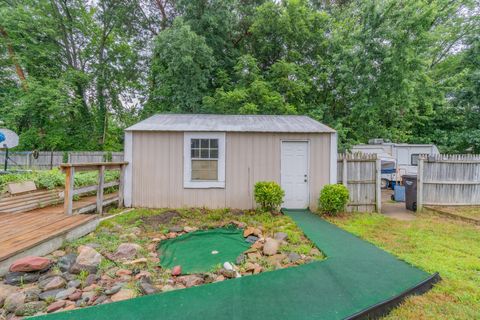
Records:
x=74, y=73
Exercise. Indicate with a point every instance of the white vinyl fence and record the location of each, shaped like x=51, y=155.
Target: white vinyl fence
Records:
x=448, y=180
x=52, y=159
x=361, y=173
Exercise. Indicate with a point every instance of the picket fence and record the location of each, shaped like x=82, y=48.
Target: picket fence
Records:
x=445, y=180
x=361, y=174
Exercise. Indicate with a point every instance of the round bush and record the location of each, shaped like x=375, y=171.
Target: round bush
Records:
x=268, y=195
x=333, y=199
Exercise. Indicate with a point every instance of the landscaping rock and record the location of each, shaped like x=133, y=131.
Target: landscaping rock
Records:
x=114, y=289
x=175, y=229
x=66, y=262
x=123, y=272
x=88, y=259
x=248, y=231
x=137, y=261
x=31, y=294
x=228, y=273
x=177, y=270
x=68, y=276
x=251, y=239
x=101, y=299
x=52, y=283
x=143, y=274
x=127, y=251
x=240, y=259
x=123, y=294
x=167, y=288
x=5, y=291
x=51, y=294
x=280, y=236
x=270, y=247
x=30, y=308
x=74, y=284
x=315, y=252
x=20, y=278
x=75, y=296
x=57, y=305
x=293, y=257
x=147, y=287
x=14, y=301
x=58, y=253
x=190, y=229
x=29, y=264
x=64, y=294
x=91, y=279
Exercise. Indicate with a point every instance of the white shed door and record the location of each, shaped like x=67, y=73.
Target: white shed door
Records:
x=294, y=174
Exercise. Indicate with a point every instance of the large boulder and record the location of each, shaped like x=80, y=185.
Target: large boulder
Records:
x=127, y=251
x=88, y=259
x=270, y=247
x=29, y=264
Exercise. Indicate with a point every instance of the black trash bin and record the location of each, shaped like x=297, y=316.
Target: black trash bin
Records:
x=410, y=183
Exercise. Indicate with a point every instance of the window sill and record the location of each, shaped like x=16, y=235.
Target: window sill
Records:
x=203, y=184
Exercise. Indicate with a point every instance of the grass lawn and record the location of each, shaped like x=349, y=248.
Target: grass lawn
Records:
x=432, y=243
x=467, y=212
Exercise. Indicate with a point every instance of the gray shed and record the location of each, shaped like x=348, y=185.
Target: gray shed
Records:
x=180, y=160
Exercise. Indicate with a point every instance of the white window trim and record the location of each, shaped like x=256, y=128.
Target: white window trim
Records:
x=188, y=183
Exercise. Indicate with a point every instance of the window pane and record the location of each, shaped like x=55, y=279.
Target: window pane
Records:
x=213, y=153
x=204, y=153
x=204, y=143
x=204, y=170
x=195, y=153
x=195, y=143
x=214, y=143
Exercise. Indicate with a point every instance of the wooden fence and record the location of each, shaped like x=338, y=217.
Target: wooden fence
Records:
x=53, y=159
x=361, y=174
x=448, y=180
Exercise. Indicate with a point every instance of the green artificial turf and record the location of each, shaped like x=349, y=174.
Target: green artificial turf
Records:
x=203, y=250
x=355, y=276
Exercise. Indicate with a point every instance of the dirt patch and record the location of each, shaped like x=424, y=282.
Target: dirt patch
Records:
x=156, y=220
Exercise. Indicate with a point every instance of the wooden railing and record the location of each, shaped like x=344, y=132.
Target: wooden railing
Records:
x=101, y=167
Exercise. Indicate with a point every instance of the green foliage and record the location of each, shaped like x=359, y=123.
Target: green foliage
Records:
x=269, y=195
x=333, y=199
x=402, y=70
x=51, y=179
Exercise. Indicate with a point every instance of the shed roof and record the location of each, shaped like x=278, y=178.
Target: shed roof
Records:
x=231, y=123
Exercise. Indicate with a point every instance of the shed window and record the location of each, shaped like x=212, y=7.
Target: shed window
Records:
x=414, y=159
x=204, y=157
x=204, y=160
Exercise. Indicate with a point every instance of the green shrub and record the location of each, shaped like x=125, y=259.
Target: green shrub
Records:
x=49, y=179
x=333, y=199
x=268, y=195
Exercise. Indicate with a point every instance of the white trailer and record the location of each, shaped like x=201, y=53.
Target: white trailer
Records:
x=405, y=156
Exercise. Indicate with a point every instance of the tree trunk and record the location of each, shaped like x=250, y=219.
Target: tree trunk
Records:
x=13, y=57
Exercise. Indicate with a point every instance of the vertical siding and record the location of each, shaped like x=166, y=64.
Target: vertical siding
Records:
x=250, y=157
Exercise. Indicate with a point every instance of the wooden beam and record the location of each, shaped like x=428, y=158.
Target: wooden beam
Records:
x=421, y=161
x=100, y=186
x=69, y=183
x=121, y=186
x=378, y=185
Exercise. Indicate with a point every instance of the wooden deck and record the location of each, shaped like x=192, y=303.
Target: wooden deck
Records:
x=20, y=232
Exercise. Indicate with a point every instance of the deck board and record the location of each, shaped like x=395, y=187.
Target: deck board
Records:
x=22, y=231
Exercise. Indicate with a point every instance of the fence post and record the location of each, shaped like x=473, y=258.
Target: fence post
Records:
x=344, y=171
x=378, y=184
x=121, y=186
x=420, y=184
x=68, y=194
x=101, y=179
